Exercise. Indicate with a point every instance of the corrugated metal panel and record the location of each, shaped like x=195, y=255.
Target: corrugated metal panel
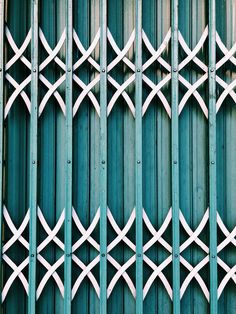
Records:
x=134, y=112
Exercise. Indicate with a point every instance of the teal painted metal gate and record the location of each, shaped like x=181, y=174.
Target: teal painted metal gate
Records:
x=117, y=156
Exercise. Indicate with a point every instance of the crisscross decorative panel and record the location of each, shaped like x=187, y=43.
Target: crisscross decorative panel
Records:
x=117, y=156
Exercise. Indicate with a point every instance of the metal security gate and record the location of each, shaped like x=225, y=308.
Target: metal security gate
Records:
x=117, y=156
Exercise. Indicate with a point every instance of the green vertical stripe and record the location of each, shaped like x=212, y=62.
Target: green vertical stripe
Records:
x=115, y=140
x=69, y=119
x=60, y=143
x=47, y=159
x=175, y=155
x=103, y=157
x=17, y=154
x=138, y=154
x=33, y=158
x=128, y=149
x=81, y=174
x=1, y=123
x=212, y=157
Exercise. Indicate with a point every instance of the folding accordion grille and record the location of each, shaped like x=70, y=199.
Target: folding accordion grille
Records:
x=117, y=147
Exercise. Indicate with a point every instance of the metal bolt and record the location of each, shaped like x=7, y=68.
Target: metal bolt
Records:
x=68, y=161
x=138, y=161
x=103, y=70
x=138, y=70
x=212, y=69
x=69, y=70
x=103, y=162
x=213, y=256
x=175, y=70
x=34, y=70
x=212, y=162
x=33, y=162
x=103, y=255
x=32, y=255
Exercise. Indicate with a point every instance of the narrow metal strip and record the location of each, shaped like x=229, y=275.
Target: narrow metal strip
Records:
x=175, y=156
x=69, y=122
x=2, y=10
x=212, y=157
x=138, y=157
x=103, y=157
x=33, y=159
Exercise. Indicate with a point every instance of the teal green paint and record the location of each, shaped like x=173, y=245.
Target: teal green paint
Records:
x=47, y=158
x=69, y=119
x=60, y=150
x=115, y=140
x=2, y=10
x=129, y=152
x=163, y=151
x=194, y=143
x=212, y=158
x=81, y=151
x=17, y=144
x=33, y=159
x=186, y=134
x=149, y=139
x=228, y=213
x=138, y=157
x=225, y=149
x=175, y=156
x=94, y=134
x=103, y=157
x=193, y=161
x=199, y=153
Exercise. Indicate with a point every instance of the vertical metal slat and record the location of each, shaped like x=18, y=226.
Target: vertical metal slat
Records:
x=103, y=157
x=69, y=121
x=175, y=155
x=138, y=156
x=33, y=158
x=212, y=157
x=2, y=9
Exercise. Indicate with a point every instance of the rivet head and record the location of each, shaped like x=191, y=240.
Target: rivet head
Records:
x=175, y=70
x=138, y=70
x=103, y=255
x=33, y=162
x=175, y=162
x=138, y=161
x=34, y=70
x=103, y=162
x=176, y=255
x=32, y=255
x=0, y=69
x=69, y=70
x=139, y=255
x=67, y=255
x=212, y=162
x=68, y=161
x=213, y=256
x=103, y=70
x=212, y=69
